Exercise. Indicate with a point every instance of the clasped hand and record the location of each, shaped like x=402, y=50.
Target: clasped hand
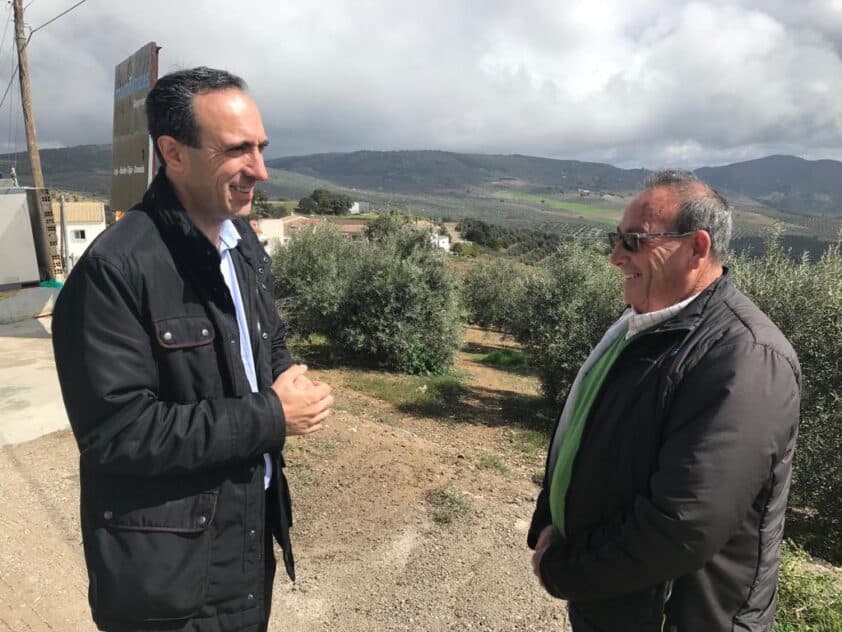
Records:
x=306, y=404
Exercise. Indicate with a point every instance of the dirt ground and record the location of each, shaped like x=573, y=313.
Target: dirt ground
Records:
x=373, y=550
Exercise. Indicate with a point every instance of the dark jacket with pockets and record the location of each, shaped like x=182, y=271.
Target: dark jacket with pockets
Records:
x=676, y=503
x=171, y=438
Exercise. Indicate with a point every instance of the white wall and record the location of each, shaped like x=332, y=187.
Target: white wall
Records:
x=79, y=237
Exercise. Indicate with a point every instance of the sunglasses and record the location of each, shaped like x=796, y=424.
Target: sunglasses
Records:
x=632, y=241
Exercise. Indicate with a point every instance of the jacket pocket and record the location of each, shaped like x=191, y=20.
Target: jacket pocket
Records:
x=151, y=562
x=186, y=361
x=184, y=332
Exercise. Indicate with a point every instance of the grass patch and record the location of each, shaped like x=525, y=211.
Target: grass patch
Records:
x=348, y=407
x=530, y=441
x=323, y=447
x=446, y=506
x=592, y=212
x=489, y=461
x=809, y=597
x=434, y=396
x=505, y=359
x=301, y=472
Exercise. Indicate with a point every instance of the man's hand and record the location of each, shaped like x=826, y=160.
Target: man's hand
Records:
x=545, y=539
x=306, y=404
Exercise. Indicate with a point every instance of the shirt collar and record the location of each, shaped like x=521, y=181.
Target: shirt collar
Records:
x=229, y=236
x=641, y=322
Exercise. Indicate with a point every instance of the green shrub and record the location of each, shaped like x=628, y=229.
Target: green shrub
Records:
x=465, y=249
x=401, y=308
x=809, y=598
x=805, y=300
x=387, y=224
x=392, y=301
x=310, y=276
x=569, y=303
x=492, y=293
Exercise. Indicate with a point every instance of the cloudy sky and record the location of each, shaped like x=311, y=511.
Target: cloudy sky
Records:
x=631, y=82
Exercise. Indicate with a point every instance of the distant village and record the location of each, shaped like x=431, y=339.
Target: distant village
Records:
x=273, y=232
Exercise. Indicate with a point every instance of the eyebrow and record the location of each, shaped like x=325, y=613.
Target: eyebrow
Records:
x=247, y=144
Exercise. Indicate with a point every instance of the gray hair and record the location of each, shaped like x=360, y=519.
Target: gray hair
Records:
x=169, y=104
x=701, y=207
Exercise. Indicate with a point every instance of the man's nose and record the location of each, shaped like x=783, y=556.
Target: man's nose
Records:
x=257, y=167
x=618, y=254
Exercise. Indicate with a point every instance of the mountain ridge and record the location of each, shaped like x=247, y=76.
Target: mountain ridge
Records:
x=780, y=182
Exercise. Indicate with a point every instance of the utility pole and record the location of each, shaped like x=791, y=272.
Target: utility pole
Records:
x=41, y=214
x=26, y=97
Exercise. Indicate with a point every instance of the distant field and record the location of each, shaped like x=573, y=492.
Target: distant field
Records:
x=292, y=186
x=453, y=206
x=548, y=212
x=579, y=210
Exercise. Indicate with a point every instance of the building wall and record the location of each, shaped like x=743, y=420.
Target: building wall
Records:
x=79, y=237
x=441, y=241
x=270, y=232
x=84, y=221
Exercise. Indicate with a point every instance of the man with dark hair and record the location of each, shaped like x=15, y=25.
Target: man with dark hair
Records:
x=667, y=477
x=177, y=381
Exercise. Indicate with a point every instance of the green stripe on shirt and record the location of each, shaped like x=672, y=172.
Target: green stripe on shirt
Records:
x=588, y=390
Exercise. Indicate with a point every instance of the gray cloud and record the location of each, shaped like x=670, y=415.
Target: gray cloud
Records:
x=635, y=83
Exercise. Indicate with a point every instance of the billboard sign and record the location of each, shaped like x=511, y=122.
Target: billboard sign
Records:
x=132, y=155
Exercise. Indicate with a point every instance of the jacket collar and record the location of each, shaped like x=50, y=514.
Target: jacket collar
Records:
x=178, y=230
x=690, y=317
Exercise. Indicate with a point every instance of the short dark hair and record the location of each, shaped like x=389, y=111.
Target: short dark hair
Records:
x=701, y=207
x=169, y=104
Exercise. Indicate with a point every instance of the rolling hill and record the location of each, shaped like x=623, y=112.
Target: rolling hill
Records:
x=83, y=168
x=783, y=182
x=805, y=196
x=439, y=171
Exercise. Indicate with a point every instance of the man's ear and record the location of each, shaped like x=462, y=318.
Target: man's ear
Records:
x=174, y=153
x=701, y=247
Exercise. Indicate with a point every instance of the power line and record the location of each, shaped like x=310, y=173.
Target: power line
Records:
x=6, y=30
x=65, y=12
x=9, y=85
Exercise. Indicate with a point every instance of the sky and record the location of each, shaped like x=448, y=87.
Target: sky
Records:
x=634, y=83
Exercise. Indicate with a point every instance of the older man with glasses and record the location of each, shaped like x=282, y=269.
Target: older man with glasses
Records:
x=668, y=473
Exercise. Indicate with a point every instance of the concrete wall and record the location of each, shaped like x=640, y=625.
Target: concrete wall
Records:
x=79, y=237
x=28, y=303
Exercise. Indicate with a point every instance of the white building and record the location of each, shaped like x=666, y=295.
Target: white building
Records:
x=270, y=232
x=441, y=241
x=84, y=221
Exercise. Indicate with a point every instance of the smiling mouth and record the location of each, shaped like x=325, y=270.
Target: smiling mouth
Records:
x=631, y=275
